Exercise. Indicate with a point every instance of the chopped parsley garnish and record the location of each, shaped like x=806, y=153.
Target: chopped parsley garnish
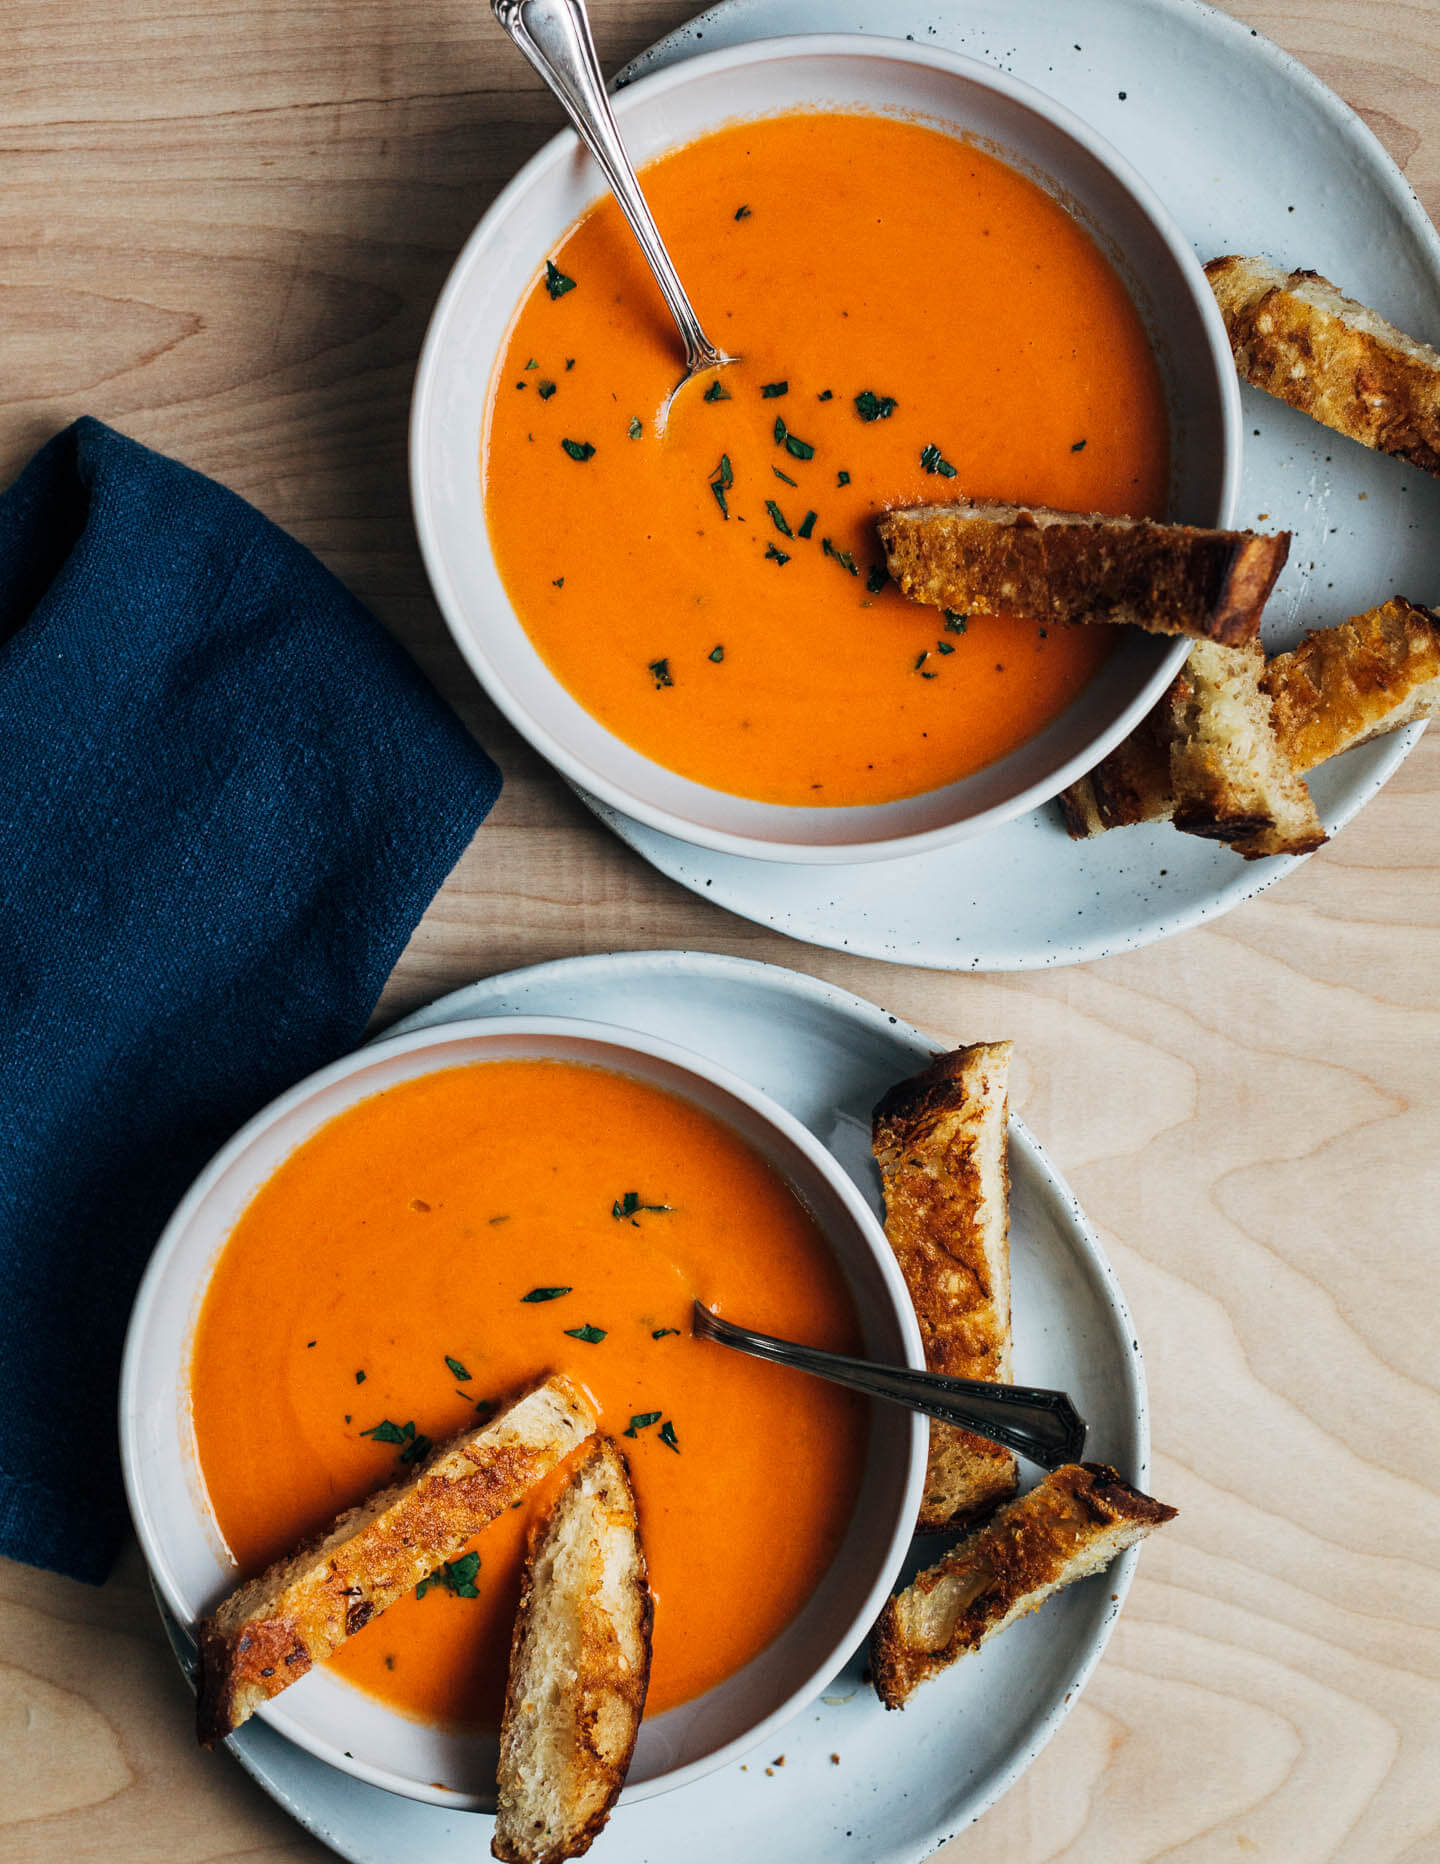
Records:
x=660, y=1332
x=544, y=1294
x=569, y=363
x=667, y=1436
x=485, y=1406
x=771, y=391
x=544, y=388
x=777, y=518
x=826, y=394
x=457, y=1370
x=1078, y=447
x=933, y=461
x=457, y=1576
x=592, y=1336
x=629, y=1205
x=921, y=660
x=872, y=407
x=944, y=647
x=778, y=555
x=556, y=283
x=634, y=429
x=742, y=213
x=954, y=624
x=842, y=478
x=793, y=445
x=532, y=364
x=783, y=475
x=877, y=578
x=386, y=1432
x=642, y=1420
x=717, y=391
x=556, y=582
x=660, y=671
x=578, y=449
x=416, y=1449
x=359, y=1378
x=721, y=481
x=842, y=557
x=807, y=524
x=717, y=653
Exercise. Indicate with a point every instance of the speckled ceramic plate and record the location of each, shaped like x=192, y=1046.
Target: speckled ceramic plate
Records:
x=902, y=1784
x=1249, y=153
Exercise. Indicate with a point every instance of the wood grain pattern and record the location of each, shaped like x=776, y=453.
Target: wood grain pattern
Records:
x=223, y=229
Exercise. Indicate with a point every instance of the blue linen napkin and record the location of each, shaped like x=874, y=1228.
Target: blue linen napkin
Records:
x=226, y=798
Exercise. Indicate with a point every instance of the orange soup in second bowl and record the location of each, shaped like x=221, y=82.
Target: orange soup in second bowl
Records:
x=918, y=322
x=442, y=1243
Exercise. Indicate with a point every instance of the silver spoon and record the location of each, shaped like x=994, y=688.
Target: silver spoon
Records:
x=1041, y=1425
x=555, y=36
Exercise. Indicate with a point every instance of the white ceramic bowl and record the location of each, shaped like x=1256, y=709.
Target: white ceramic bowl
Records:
x=498, y=266
x=325, y=1715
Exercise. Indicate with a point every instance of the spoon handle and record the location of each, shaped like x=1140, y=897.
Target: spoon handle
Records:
x=1041, y=1425
x=555, y=36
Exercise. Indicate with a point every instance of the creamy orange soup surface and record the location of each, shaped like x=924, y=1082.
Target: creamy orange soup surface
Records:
x=918, y=323
x=379, y=1278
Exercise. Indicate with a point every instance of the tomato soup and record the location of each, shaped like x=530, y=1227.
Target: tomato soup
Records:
x=918, y=323
x=441, y=1244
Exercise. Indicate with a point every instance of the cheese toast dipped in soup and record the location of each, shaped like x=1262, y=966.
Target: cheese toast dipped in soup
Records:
x=437, y=1247
x=916, y=321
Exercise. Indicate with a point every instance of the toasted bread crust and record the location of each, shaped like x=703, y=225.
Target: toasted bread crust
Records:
x=940, y=1142
x=1130, y=784
x=273, y=1628
x=1068, y=566
x=1344, y=686
x=579, y=1668
x=1300, y=339
x=1073, y=1524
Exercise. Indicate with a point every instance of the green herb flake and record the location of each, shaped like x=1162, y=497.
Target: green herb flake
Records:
x=944, y=647
x=556, y=283
x=386, y=1432
x=932, y=460
x=578, y=449
x=721, y=481
x=777, y=518
x=544, y=388
x=807, y=524
x=660, y=1332
x=532, y=364
x=456, y=1369
x=557, y=582
x=1078, y=447
x=842, y=478
x=872, y=407
x=592, y=1336
x=772, y=391
x=921, y=661
x=359, y=1378
x=455, y=1576
x=954, y=624
x=569, y=364
x=414, y=1452
x=717, y=654
x=630, y=1206
x=877, y=578
x=667, y=1436
x=783, y=475
x=779, y=556
x=642, y=1420
x=659, y=670
x=544, y=1294
x=717, y=391
x=634, y=429
x=742, y=213
x=798, y=449
x=842, y=557
x=826, y=394
x=485, y=1406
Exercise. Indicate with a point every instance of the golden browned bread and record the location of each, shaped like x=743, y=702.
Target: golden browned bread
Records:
x=940, y=1142
x=1344, y=686
x=299, y=1611
x=1297, y=337
x=1130, y=784
x=1074, y=1523
x=1071, y=566
x=1230, y=779
x=579, y=1667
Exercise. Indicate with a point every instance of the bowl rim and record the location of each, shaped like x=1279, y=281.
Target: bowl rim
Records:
x=148, y=1521
x=563, y=148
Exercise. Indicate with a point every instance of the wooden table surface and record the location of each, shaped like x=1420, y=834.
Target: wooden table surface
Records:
x=222, y=229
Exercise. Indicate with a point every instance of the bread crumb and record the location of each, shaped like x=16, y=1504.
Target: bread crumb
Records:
x=834, y=1760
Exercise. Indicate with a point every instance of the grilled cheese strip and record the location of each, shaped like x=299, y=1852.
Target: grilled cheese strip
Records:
x=274, y=1628
x=1231, y=780
x=940, y=1142
x=1073, y=1524
x=579, y=1668
x=1071, y=566
x=1300, y=339
x=1344, y=686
